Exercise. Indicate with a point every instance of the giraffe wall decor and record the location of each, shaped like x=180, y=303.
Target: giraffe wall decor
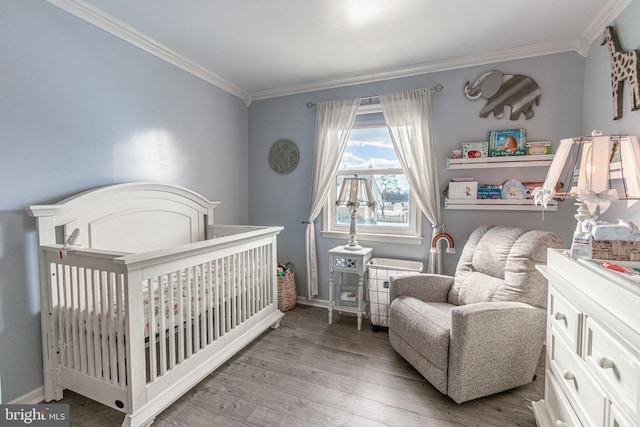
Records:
x=624, y=66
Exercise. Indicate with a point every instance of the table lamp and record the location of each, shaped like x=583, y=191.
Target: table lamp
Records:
x=354, y=193
x=596, y=171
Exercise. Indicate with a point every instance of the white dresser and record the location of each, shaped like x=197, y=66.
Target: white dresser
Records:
x=593, y=346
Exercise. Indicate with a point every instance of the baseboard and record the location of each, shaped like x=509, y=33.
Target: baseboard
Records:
x=322, y=303
x=31, y=398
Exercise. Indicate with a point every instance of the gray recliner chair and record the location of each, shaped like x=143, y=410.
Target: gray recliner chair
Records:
x=482, y=331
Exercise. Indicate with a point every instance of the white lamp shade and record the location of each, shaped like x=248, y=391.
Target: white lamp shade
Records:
x=602, y=177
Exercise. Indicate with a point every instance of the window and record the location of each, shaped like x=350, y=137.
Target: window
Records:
x=370, y=154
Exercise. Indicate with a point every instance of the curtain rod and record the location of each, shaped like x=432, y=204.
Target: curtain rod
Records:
x=436, y=88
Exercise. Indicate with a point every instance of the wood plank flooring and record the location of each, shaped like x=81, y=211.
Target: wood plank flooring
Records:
x=309, y=373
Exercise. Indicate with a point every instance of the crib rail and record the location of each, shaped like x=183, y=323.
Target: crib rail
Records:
x=190, y=308
x=87, y=313
x=130, y=320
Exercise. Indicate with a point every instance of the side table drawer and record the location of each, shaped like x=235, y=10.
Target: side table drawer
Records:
x=612, y=362
x=564, y=316
x=582, y=391
x=343, y=263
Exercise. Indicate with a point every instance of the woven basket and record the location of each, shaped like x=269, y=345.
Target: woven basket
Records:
x=287, y=294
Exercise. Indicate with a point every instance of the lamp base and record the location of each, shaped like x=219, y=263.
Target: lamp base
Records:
x=351, y=247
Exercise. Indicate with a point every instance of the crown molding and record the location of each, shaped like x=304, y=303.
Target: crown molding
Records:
x=427, y=67
x=607, y=15
x=109, y=23
x=101, y=19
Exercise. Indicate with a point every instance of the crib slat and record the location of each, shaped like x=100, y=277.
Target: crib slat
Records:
x=95, y=322
x=75, y=337
x=120, y=331
x=57, y=313
x=67, y=338
x=91, y=367
x=227, y=294
x=113, y=352
x=104, y=322
x=172, y=323
x=196, y=309
x=217, y=306
x=243, y=284
x=181, y=342
x=189, y=315
x=163, y=323
x=211, y=302
x=203, y=305
x=202, y=310
x=82, y=325
x=150, y=302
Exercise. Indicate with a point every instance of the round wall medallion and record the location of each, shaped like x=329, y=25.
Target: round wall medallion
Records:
x=284, y=156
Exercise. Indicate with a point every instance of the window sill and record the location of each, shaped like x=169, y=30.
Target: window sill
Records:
x=376, y=238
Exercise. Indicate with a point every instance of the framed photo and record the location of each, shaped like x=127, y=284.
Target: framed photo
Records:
x=509, y=142
x=463, y=190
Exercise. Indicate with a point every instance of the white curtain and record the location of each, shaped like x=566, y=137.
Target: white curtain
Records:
x=408, y=116
x=334, y=121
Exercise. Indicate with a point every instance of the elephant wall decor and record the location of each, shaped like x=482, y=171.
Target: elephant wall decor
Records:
x=624, y=66
x=500, y=90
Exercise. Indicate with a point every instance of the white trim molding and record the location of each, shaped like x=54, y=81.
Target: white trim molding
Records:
x=80, y=8
x=111, y=24
x=33, y=397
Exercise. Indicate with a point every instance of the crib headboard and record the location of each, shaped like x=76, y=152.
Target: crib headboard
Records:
x=131, y=217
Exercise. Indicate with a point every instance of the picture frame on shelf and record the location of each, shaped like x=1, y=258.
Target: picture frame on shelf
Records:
x=463, y=190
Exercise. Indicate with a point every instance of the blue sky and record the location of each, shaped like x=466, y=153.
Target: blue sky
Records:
x=369, y=147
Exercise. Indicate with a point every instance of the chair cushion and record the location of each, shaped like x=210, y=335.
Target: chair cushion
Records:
x=498, y=264
x=425, y=326
x=419, y=331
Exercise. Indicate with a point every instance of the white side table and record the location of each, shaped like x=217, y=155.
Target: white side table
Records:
x=348, y=298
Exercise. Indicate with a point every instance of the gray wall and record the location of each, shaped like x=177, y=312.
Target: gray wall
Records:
x=284, y=199
x=81, y=108
x=598, y=101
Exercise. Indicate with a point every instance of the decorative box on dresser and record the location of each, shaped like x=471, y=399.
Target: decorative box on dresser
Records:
x=593, y=346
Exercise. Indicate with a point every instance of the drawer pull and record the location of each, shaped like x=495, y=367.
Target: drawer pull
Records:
x=569, y=375
x=606, y=363
x=559, y=423
x=560, y=316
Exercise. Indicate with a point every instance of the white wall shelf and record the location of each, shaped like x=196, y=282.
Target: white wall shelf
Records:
x=497, y=204
x=543, y=160
x=501, y=162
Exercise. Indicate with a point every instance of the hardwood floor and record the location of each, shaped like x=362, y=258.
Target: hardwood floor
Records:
x=309, y=373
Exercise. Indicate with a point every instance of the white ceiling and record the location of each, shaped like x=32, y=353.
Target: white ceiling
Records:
x=258, y=49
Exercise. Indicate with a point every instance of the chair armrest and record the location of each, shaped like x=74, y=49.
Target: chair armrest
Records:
x=487, y=321
x=501, y=338
x=425, y=287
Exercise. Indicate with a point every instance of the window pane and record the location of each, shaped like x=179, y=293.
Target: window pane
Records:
x=391, y=193
x=371, y=151
x=369, y=148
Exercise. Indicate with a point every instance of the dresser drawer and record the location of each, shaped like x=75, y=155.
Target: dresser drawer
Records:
x=618, y=419
x=559, y=410
x=565, y=317
x=573, y=377
x=614, y=364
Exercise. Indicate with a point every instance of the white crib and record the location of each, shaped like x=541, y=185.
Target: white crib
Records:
x=155, y=297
